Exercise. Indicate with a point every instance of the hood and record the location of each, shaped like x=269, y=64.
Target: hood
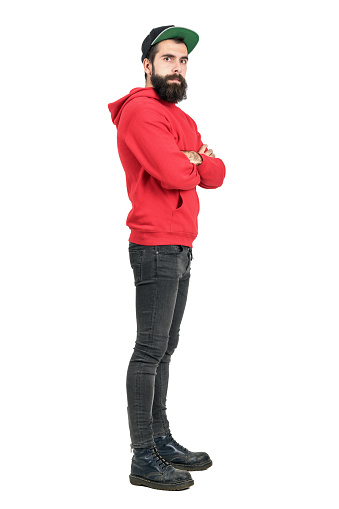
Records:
x=117, y=107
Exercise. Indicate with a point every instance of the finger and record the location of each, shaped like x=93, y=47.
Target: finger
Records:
x=202, y=149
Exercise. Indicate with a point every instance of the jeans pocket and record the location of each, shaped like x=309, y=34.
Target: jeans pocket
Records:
x=169, y=250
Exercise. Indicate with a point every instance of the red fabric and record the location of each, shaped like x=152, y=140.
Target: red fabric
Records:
x=161, y=181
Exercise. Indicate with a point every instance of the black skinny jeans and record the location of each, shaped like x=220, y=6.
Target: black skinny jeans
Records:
x=161, y=275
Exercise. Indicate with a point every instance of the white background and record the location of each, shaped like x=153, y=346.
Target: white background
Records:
x=255, y=378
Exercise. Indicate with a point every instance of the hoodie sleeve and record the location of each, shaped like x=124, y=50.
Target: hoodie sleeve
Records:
x=151, y=141
x=212, y=170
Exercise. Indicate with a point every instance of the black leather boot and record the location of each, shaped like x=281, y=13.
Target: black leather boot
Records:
x=151, y=470
x=180, y=457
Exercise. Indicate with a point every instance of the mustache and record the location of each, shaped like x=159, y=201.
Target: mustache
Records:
x=175, y=77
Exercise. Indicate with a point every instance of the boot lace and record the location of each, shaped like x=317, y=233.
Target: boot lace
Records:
x=177, y=444
x=159, y=459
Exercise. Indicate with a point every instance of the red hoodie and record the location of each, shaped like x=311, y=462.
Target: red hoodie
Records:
x=161, y=181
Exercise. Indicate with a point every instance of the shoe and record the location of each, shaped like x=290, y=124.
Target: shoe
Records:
x=180, y=457
x=151, y=470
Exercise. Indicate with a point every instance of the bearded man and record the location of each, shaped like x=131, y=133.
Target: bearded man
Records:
x=164, y=160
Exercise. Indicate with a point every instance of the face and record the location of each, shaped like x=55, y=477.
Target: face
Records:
x=171, y=58
x=167, y=75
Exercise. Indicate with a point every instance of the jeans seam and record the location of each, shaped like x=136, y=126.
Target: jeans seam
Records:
x=161, y=401
x=138, y=406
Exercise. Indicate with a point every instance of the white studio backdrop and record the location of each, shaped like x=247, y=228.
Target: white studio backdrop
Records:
x=254, y=380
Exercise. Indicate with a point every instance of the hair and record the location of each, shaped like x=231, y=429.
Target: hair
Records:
x=154, y=50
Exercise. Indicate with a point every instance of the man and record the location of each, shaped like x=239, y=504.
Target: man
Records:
x=164, y=159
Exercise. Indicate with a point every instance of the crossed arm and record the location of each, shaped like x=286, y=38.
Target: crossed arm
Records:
x=148, y=130
x=212, y=175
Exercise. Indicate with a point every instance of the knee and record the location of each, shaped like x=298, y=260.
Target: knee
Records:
x=168, y=354
x=171, y=347
x=150, y=352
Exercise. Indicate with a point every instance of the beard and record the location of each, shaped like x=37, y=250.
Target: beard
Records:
x=170, y=92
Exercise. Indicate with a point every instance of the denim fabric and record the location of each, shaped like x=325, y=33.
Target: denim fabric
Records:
x=161, y=276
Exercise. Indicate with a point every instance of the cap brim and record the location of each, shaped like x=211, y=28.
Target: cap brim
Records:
x=191, y=38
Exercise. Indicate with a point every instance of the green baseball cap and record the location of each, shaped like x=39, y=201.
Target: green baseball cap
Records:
x=159, y=34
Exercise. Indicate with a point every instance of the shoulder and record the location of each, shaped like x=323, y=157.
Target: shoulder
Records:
x=142, y=104
x=144, y=109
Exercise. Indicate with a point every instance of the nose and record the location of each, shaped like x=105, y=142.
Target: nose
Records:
x=177, y=67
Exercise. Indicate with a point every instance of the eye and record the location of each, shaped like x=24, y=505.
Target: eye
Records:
x=184, y=61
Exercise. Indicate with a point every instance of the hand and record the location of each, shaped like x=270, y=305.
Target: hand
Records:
x=194, y=157
x=206, y=151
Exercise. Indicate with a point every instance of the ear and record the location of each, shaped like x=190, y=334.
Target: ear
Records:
x=147, y=67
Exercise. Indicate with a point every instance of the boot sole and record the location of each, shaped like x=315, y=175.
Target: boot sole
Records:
x=140, y=481
x=203, y=466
